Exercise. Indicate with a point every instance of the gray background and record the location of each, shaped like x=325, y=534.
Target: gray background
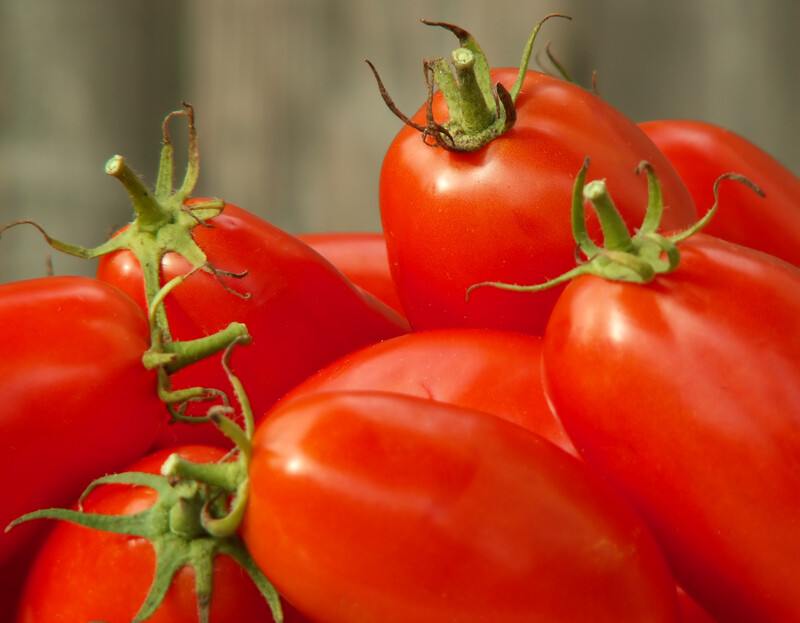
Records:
x=291, y=124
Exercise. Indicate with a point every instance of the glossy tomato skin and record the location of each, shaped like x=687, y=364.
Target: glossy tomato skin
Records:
x=369, y=506
x=701, y=152
x=302, y=313
x=501, y=213
x=362, y=258
x=686, y=393
x=76, y=400
x=497, y=372
x=82, y=574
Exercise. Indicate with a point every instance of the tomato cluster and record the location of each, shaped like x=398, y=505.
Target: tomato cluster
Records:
x=450, y=420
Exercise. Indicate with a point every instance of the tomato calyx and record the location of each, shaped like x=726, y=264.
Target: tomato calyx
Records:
x=636, y=258
x=195, y=517
x=561, y=70
x=163, y=224
x=478, y=113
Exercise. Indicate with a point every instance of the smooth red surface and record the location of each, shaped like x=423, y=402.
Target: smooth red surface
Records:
x=370, y=506
x=497, y=372
x=363, y=259
x=87, y=575
x=502, y=213
x=701, y=152
x=302, y=313
x=686, y=393
x=75, y=401
x=691, y=611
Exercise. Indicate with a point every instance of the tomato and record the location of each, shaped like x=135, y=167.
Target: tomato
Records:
x=701, y=152
x=691, y=611
x=13, y=575
x=76, y=400
x=302, y=313
x=501, y=213
x=82, y=574
x=362, y=257
x=686, y=393
x=369, y=506
x=497, y=372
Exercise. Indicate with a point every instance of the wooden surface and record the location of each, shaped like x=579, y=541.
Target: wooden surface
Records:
x=290, y=121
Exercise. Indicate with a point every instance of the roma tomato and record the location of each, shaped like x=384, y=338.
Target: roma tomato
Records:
x=372, y=507
x=501, y=212
x=362, y=258
x=82, y=574
x=76, y=400
x=701, y=152
x=685, y=392
x=497, y=372
x=301, y=312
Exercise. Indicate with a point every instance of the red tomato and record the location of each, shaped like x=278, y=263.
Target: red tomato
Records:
x=371, y=506
x=501, y=213
x=691, y=611
x=701, y=152
x=302, y=313
x=686, y=393
x=82, y=574
x=12, y=576
x=362, y=258
x=76, y=400
x=497, y=372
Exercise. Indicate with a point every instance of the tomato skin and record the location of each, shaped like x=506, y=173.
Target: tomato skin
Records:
x=12, y=577
x=496, y=372
x=76, y=400
x=82, y=574
x=691, y=611
x=701, y=152
x=362, y=258
x=692, y=408
x=369, y=506
x=302, y=313
x=502, y=213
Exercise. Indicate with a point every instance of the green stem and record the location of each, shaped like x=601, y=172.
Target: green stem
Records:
x=184, y=518
x=615, y=233
x=190, y=351
x=233, y=432
x=193, y=162
x=655, y=200
x=226, y=476
x=526, y=54
x=578, y=217
x=475, y=114
x=150, y=214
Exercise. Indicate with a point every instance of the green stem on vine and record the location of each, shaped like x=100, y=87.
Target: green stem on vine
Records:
x=150, y=213
x=526, y=54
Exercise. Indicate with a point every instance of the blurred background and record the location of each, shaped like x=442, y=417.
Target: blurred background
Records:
x=291, y=124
